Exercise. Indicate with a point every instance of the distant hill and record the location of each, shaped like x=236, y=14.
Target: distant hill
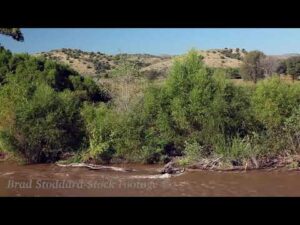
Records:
x=123, y=89
x=100, y=64
x=285, y=56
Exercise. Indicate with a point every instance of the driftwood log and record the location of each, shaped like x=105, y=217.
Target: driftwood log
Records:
x=172, y=168
x=95, y=167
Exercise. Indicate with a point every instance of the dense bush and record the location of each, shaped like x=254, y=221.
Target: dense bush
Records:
x=293, y=67
x=47, y=109
x=196, y=104
x=5, y=57
x=230, y=54
x=252, y=68
x=199, y=113
x=43, y=123
x=292, y=130
x=232, y=73
x=126, y=67
x=101, y=126
x=40, y=107
x=281, y=68
x=88, y=90
x=275, y=104
x=101, y=67
x=146, y=129
x=274, y=100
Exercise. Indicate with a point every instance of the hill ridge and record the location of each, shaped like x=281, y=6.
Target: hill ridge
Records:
x=95, y=64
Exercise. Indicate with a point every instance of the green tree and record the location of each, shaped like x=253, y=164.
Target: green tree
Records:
x=274, y=100
x=40, y=107
x=281, y=68
x=5, y=57
x=15, y=33
x=252, y=68
x=196, y=104
x=293, y=67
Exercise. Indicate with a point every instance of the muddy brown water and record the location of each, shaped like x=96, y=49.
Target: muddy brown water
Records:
x=51, y=180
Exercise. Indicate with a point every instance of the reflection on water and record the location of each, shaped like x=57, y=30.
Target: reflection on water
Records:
x=51, y=180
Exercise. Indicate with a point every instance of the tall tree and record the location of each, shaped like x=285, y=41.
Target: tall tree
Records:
x=269, y=65
x=252, y=69
x=15, y=33
x=281, y=68
x=293, y=66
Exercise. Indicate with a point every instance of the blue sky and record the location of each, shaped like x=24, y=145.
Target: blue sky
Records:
x=155, y=41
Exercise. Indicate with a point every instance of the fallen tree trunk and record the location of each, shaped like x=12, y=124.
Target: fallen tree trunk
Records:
x=95, y=167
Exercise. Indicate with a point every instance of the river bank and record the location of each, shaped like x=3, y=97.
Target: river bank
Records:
x=291, y=162
x=143, y=180
x=175, y=165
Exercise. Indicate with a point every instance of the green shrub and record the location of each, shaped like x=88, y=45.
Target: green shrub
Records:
x=275, y=104
x=126, y=67
x=196, y=104
x=5, y=57
x=101, y=66
x=43, y=123
x=292, y=131
x=293, y=66
x=281, y=67
x=193, y=152
x=101, y=126
x=88, y=90
x=233, y=73
x=239, y=149
x=145, y=129
x=47, y=109
x=274, y=100
x=40, y=107
x=253, y=68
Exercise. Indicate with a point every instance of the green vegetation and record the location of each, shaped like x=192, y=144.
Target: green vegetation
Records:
x=289, y=66
x=125, y=67
x=197, y=113
x=293, y=67
x=40, y=107
x=232, y=73
x=281, y=68
x=230, y=54
x=101, y=125
x=252, y=68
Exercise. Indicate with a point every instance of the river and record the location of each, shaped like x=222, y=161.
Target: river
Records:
x=52, y=180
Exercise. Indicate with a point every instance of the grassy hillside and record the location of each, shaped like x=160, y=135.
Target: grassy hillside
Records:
x=97, y=64
x=126, y=76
